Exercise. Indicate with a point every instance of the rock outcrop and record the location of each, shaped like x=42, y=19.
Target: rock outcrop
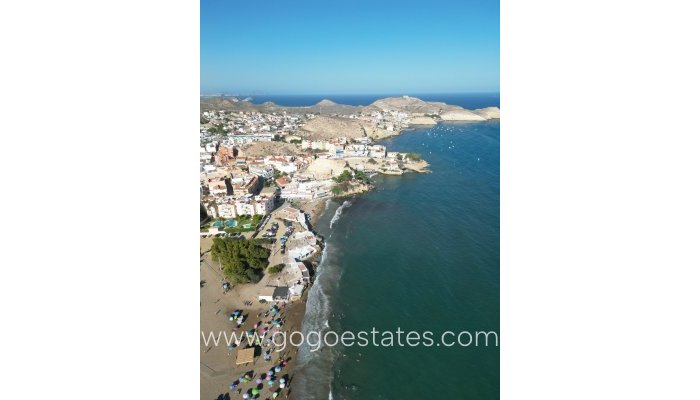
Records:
x=489, y=112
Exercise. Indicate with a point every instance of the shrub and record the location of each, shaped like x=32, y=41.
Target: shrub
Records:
x=276, y=269
x=344, y=177
x=413, y=156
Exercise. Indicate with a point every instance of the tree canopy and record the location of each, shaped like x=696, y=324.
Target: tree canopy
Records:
x=343, y=177
x=276, y=269
x=243, y=260
x=413, y=156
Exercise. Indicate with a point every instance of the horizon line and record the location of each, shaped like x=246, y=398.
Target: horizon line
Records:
x=344, y=94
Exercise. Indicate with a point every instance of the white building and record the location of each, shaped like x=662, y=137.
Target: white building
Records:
x=261, y=170
x=356, y=150
x=254, y=205
x=288, y=168
x=250, y=138
x=217, y=186
x=302, y=252
x=226, y=210
x=377, y=151
x=231, y=207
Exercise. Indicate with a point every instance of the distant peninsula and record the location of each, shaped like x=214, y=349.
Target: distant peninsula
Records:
x=340, y=120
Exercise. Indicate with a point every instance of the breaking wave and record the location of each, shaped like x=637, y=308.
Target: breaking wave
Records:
x=339, y=212
x=315, y=370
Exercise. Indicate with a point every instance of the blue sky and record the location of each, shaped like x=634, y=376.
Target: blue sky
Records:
x=349, y=47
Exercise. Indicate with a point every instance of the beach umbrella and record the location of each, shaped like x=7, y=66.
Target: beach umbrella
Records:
x=282, y=380
x=255, y=392
x=258, y=381
x=274, y=395
x=282, y=385
x=246, y=396
x=278, y=369
x=271, y=382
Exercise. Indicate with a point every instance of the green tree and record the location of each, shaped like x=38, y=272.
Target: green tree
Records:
x=360, y=175
x=276, y=269
x=343, y=177
x=413, y=156
x=243, y=260
x=217, y=129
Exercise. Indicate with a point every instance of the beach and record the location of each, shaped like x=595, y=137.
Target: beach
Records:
x=218, y=367
x=394, y=224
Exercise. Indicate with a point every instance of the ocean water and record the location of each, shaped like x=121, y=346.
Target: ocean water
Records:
x=421, y=252
x=466, y=100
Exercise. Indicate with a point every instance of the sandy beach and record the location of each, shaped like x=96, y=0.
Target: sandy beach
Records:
x=218, y=369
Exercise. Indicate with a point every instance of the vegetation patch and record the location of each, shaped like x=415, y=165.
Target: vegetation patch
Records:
x=413, y=156
x=243, y=261
x=275, y=269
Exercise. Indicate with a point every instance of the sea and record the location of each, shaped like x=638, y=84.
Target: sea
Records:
x=418, y=253
x=466, y=100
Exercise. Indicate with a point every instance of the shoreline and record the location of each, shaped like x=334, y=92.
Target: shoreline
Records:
x=217, y=364
x=315, y=209
x=294, y=312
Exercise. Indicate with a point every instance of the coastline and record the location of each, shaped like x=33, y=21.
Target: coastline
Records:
x=216, y=369
x=336, y=304
x=315, y=209
x=216, y=380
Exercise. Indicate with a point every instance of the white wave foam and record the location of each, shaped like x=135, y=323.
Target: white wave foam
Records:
x=339, y=212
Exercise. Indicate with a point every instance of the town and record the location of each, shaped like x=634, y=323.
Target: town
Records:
x=267, y=173
x=257, y=170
